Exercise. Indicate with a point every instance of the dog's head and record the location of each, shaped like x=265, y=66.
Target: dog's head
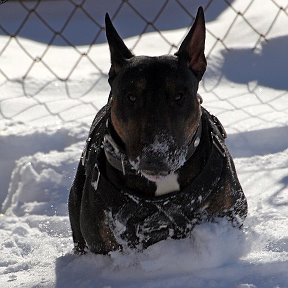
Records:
x=155, y=109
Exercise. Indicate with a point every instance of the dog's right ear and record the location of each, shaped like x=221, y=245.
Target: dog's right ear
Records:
x=118, y=51
x=192, y=47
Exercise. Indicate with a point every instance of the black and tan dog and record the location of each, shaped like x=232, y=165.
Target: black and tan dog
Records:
x=155, y=162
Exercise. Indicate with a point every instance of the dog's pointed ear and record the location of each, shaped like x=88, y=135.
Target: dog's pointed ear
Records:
x=118, y=51
x=192, y=47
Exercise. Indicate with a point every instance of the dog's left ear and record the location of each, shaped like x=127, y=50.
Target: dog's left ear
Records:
x=118, y=51
x=192, y=47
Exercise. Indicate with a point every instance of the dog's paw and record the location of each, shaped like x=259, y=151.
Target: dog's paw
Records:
x=80, y=249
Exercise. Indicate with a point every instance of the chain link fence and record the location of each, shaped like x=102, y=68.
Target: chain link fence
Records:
x=55, y=48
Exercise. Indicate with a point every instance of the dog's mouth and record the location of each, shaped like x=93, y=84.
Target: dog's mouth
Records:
x=154, y=176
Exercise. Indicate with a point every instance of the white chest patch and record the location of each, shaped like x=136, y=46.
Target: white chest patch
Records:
x=167, y=184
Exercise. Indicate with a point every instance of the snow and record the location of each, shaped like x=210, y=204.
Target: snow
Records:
x=95, y=183
x=44, y=123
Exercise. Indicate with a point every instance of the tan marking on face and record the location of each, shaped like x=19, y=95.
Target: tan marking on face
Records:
x=127, y=131
x=192, y=124
x=140, y=84
x=170, y=85
x=118, y=126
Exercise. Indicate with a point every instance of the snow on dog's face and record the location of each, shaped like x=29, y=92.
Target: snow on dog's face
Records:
x=155, y=110
x=160, y=158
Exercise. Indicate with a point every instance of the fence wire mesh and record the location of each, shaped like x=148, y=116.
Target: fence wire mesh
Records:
x=38, y=31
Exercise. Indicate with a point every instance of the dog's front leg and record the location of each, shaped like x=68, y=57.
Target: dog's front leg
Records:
x=74, y=207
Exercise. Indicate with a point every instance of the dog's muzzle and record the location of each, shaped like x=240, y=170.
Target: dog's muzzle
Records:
x=158, y=160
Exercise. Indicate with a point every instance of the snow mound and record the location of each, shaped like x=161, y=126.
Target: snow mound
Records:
x=39, y=184
x=216, y=255
x=19, y=148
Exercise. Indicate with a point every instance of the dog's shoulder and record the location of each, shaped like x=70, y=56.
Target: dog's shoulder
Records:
x=96, y=134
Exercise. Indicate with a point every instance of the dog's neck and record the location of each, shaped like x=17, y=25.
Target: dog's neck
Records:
x=121, y=173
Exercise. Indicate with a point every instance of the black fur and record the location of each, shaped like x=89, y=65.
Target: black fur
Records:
x=150, y=122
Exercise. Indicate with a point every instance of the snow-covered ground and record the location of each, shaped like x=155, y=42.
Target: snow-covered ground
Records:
x=44, y=122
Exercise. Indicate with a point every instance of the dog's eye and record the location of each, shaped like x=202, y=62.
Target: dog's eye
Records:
x=132, y=97
x=179, y=96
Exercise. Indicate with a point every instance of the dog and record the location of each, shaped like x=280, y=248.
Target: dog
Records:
x=155, y=162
